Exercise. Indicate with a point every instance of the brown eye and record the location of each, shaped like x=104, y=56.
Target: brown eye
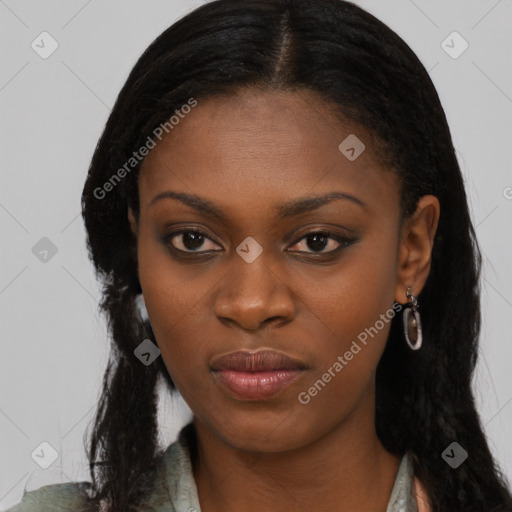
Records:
x=188, y=240
x=318, y=241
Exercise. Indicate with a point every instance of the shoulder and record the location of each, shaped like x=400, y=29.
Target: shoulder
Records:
x=65, y=497
x=169, y=485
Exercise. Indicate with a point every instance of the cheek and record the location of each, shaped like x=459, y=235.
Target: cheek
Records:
x=176, y=298
x=167, y=297
x=356, y=306
x=177, y=321
x=358, y=291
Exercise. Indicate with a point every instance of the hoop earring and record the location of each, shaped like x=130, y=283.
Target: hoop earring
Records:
x=412, y=322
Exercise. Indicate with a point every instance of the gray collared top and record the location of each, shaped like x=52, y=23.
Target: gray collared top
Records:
x=175, y=490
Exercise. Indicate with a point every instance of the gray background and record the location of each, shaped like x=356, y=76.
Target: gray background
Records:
x=53, y=110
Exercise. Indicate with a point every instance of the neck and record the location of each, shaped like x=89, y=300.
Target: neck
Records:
x=346, y=469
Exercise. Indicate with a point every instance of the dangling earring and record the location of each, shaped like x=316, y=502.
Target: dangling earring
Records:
x=141, y=306
x=412, y=323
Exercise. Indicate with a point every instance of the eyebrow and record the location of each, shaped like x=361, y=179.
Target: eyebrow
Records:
x=285, y=210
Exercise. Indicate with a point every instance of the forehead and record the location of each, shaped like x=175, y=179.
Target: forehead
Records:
x=263, y=146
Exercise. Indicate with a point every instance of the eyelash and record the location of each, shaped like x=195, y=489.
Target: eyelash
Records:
x=342, y=240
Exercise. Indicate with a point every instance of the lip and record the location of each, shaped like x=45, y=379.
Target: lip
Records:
x=249, y=375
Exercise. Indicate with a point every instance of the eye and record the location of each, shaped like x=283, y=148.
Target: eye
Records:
x=317, y=241
x=190, y=241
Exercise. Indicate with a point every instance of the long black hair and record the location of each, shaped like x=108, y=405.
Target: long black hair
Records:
x=371, y=77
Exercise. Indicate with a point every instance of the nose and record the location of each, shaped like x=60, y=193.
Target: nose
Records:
x=253, y=295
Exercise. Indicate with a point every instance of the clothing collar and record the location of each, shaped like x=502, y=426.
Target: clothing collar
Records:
x=182, y=490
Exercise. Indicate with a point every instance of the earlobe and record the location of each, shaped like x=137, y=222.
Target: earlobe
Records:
x=415, y=251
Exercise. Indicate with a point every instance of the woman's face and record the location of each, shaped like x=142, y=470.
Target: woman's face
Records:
x=259, y=160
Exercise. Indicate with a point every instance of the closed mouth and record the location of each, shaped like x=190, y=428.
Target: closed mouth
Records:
x=259, y=361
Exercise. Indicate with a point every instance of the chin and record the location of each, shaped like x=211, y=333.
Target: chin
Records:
x=266, y=433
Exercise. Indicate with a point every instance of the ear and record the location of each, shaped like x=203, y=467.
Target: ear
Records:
x=415, y=251
x=133, y=222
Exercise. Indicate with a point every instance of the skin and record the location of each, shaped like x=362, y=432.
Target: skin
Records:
x=249, y=153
